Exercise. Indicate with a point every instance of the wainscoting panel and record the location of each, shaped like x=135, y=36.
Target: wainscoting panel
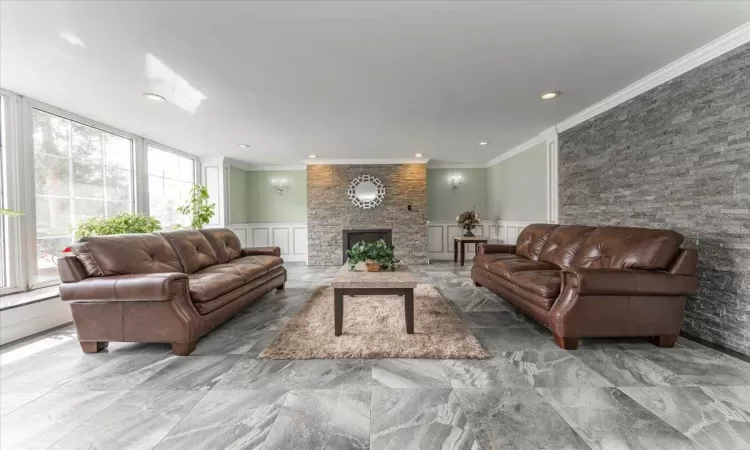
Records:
x=440, y=236
x=291, y=238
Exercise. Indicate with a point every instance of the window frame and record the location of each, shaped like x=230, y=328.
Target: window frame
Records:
x=20, y=190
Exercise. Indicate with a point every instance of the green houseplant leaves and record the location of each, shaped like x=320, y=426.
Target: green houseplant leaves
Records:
x=119, y=224
x=378, y=252
x=197, y=207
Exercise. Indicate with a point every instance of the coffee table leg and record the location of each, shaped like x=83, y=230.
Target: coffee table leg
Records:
x=463, y=253
x=338, y=311
x=409, y=310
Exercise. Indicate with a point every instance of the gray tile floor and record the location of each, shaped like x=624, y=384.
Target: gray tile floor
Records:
x=610, y=394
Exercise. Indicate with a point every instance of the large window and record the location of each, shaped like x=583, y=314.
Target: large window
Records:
x=170, y=178
x=79, y=172
x=4, y=273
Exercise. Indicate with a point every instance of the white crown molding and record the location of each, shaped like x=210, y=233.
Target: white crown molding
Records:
x=214, y=160
x=713, y=49
x=270, y=168
x=455, y=166
x=550, y=134
x=360, y=162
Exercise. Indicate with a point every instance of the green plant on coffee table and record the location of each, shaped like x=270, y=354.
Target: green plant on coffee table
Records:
x=197, y=207
x=120, y=224
x=378, y=252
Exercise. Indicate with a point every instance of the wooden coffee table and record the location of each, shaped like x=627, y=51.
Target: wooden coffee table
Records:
x=461, y=241
x=401, y=282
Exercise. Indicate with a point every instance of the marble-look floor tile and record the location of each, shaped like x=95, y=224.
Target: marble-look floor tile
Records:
x=699, y=367
x=46, y=373
x=519, y=338
x=492, y=319
x=118, y=373
x=624, y=368
x=471, y=299
x=418, y=418
x=496, y=372
x=226, y=342
x=555, y=369
x=10, y=402
x=409, y=373
x=253, y=374
x=137, y=348
x=227, y=420
x=42, y=422
x=16, y=355
x=190, y=373
x=516, y=418
x=715, y=417
x=607, y=419
x=266, y=321
x=322, y=419
x=265, y=338
x=137, y=420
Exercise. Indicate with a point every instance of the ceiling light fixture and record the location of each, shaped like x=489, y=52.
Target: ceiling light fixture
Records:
x=418, y=155
x=313, y=156
x=154, y=97
x=550, y=95
x=243, y=145
x=483, y=143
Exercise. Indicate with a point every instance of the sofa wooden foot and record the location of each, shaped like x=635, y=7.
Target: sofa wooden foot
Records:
x=280, y=288
x=566, y=343
x=667, y=340
x=93, y=346
x=183, y=348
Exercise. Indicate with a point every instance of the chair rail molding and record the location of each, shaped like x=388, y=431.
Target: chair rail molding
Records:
x=291, y=238
x=440, y=234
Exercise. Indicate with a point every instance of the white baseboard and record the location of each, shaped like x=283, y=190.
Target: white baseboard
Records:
x=291, y=238
x=440, y=235
x=22, y=321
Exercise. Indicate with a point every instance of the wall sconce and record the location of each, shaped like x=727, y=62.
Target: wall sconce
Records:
x=456, y=181
x=280, y=185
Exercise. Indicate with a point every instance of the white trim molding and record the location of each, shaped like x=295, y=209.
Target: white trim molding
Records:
x=272, y=168
x=717, y=47
x=550, y=134
x=291, y=238
x=440, y=235
x=364, y=162
x=455, y=166
x=552, y=181
x=23, y=321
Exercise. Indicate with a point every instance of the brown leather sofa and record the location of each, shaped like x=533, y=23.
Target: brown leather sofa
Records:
x=169, y=287
x=581, y=281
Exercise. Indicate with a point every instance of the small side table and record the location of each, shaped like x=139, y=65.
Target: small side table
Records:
x=461, y=241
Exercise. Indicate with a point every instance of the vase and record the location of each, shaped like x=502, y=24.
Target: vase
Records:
x=468, y=233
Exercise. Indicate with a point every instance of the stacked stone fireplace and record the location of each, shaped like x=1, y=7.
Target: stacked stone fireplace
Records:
x=333, y=221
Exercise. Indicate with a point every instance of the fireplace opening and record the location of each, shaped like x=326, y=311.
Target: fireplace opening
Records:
x=351, y=237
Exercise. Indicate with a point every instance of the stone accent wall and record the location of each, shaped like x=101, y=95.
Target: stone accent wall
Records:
x=677, y=157
x=329, y=210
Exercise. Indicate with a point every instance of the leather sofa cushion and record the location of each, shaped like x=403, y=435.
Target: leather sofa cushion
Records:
x=544, y=283
x=208, y=286
x=225, y=243
x=506, y=268
x=248, y=271
x=126, y=254
x=267, y=261
x=192, y=248
x=563, y=244
x=539, y=304
x=484, y=260
x=229, y=297
x=532, y=239
x=628, y=248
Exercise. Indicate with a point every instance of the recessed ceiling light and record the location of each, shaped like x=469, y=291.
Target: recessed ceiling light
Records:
x=312, y=156
x=483, y=143
x=418, y=155
x=550, y=95
x=243, y=145
x=154, y=97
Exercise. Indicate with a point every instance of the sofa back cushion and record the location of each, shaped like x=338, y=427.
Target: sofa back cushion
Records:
x=628, y=248
x=532, y=239
x=126, y=254
x=192, y=248
x=225, y=243
x=563, y=244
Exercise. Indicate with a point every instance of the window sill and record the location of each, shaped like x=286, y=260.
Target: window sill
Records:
x=25, y=298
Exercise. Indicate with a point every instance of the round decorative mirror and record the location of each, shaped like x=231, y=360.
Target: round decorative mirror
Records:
x=366, y=191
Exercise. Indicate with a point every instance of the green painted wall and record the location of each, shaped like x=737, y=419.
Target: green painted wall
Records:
x=265, y=205
x=238, y=195
x=445, y=203
x=517, y=187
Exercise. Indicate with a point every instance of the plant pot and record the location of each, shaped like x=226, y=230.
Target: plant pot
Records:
x=468, y=233
x=372, y=266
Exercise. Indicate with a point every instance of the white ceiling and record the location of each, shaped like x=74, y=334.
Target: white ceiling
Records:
x=343, y=79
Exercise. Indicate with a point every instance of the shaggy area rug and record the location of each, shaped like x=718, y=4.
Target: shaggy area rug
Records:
x=374, y=327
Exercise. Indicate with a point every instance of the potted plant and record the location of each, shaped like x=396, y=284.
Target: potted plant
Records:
x=197, y=207
x=120, y=224
x=377, y=256
x=468, y=220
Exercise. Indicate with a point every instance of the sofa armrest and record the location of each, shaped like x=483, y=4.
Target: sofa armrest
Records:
x=269, y=251
x=151, y=287
x=628, y=282
x=487, y=249
x=70, y=269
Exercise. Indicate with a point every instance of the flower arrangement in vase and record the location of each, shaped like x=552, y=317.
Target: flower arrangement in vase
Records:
x=468, y=220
